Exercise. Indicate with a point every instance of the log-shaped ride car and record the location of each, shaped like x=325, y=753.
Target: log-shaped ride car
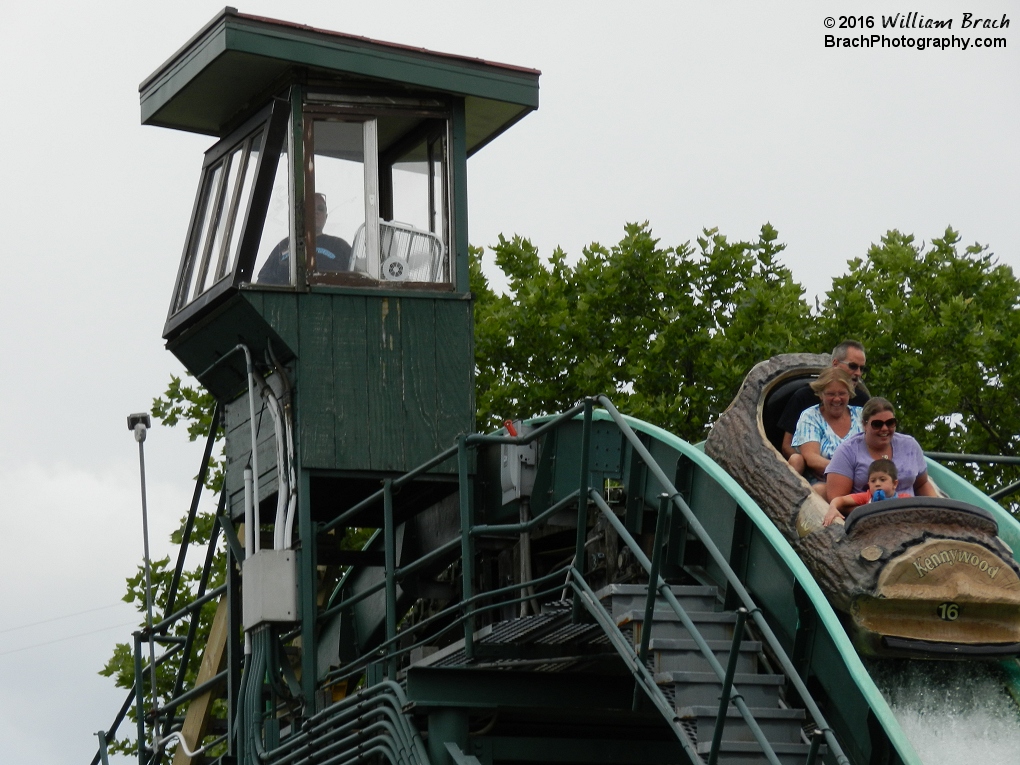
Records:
x=911, y=577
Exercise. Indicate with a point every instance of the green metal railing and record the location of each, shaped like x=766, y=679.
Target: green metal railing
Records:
x=393, y=575
x=987, y=459
x=732, y=580
x=472, y=604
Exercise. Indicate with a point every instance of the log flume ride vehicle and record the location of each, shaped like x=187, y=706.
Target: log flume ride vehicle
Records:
x=583, y=588
x=914, y=576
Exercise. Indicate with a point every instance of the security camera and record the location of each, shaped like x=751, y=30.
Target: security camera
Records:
x=141, y=418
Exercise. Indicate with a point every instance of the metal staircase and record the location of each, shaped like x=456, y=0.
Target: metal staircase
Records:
x=552, y=643
x=686, y=678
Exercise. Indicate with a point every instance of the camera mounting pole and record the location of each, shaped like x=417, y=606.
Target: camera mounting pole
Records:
x=139, y=423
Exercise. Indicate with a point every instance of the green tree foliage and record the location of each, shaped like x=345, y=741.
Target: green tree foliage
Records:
x=193, y=405
x=121, y=665
x=667, y=332
x=942, y=327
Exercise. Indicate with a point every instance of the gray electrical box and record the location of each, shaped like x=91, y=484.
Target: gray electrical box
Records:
x=269, y=588
x=517, y=466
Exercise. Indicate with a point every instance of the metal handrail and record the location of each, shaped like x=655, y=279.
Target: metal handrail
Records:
x=637, y=668
x=469, y=531
x=356, y=667
x=737, y=586
x=1005, y=491
x=473, y=604
x=512, y=529
x=993, y=459
x=663, y=589
x=194, y=605
x=189, y=524
x=443, y=456
x=188, y=695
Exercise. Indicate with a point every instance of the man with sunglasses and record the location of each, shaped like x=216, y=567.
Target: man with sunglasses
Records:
x=850, y=357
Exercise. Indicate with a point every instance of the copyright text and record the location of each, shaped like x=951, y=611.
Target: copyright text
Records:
x=913, y=29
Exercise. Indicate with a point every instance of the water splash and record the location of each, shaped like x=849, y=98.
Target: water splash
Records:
x=953, y=711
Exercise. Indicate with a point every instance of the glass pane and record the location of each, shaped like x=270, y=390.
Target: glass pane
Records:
x=201, y=234
x=339, y=194
x=273, y=262
x=411, y=190
x=413, y=243
x=222, y=219
x=242, y=204
x=440, y=221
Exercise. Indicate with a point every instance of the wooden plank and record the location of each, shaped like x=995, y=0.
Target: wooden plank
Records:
x=386, y=383
x=350, y=382
x=257, y=299
x=455, y=368
x=315, y=406
x=196, y=721
x=238, y=445
x=280, y=309
x=236, y=450
x=421, y=383
x=235, y=414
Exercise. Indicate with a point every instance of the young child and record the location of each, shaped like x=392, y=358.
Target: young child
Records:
x=881, y=485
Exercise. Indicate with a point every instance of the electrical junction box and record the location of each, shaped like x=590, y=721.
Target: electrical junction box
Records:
x=269, y=588
x=517, y=466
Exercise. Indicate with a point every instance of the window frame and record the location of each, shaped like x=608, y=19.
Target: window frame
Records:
x=271, y=125
x=368, y=110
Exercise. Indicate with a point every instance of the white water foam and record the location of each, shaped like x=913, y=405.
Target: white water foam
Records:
x=953, y=711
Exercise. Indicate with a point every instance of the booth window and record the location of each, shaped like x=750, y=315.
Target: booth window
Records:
x=338, y=198
x=273, y=262
x=377, y=194
x=418, y=183
x=215, y=239
x=376, y=205
x=241, y=174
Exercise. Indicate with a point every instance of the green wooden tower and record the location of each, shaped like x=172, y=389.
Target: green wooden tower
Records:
x=329, y=242
x=322, y=295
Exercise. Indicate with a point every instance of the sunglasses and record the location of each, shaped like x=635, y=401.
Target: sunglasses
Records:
x=853, y=366
x=879, y=424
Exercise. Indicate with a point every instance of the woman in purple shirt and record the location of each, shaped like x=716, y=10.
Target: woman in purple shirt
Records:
x=847, y=472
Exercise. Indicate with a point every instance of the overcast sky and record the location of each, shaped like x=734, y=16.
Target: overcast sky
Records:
x=685, y=114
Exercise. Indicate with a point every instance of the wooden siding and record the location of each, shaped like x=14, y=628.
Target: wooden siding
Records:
x=240, y=318
x=382, y=382
x=238, y=451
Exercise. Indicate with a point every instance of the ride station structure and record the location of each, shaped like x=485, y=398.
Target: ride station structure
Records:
x=584, y=588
